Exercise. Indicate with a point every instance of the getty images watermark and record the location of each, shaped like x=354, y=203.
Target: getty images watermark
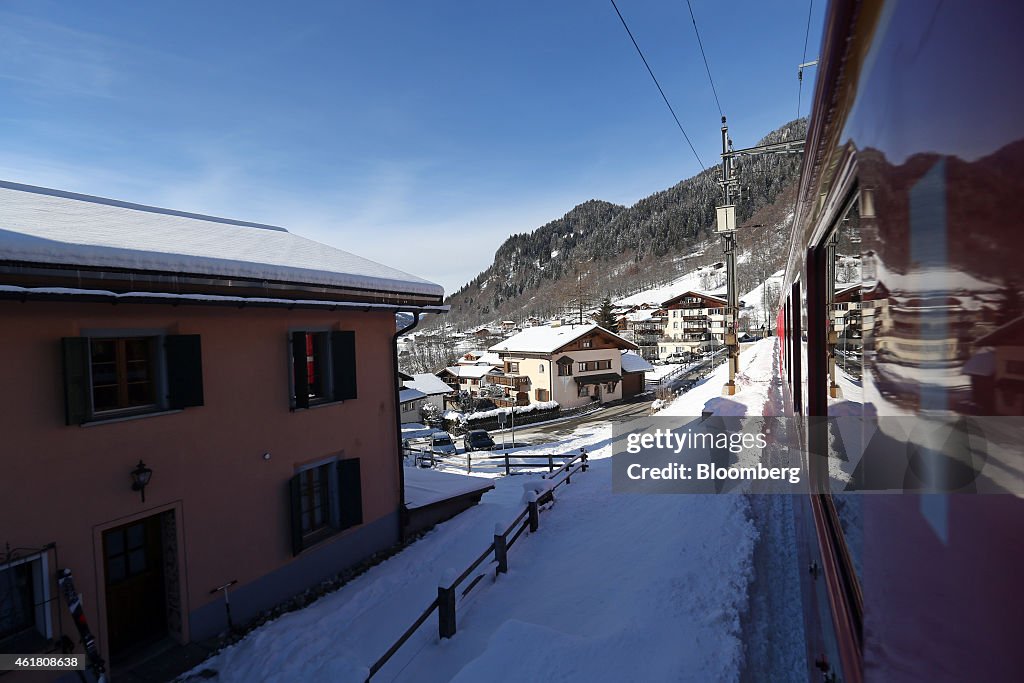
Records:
x=802, y=455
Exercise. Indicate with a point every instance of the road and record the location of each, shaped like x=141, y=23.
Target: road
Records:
x=542, y=433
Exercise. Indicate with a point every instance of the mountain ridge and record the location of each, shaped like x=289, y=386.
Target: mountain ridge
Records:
x=599, y=248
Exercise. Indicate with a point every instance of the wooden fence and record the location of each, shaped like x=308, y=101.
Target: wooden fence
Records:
x=451, y=591
x=486, y=459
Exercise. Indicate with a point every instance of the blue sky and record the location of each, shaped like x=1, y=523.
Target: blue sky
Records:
x=418, y=134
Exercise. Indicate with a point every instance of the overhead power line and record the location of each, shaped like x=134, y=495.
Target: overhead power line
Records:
x=807, y=33
x=701, y=44
x=667, y=104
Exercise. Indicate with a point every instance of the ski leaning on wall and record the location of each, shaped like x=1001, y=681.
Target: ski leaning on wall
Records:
x=74, y=601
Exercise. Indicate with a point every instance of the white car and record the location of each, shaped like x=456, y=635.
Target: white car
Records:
x=441, y=443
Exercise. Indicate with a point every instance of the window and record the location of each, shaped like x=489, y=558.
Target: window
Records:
x=316, y=507
x=326, y=498
x=513, y=367
x=540, y=368
x=111, y=376
x=564, y=369
x=604, y=365
x=323, y=367
x=587, y=343
x=541, y=394
x=583, y=390
x=122, y=373
x=24, y=595
x=583, y=367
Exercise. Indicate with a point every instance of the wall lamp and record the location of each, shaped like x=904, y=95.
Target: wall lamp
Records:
x=140, y=479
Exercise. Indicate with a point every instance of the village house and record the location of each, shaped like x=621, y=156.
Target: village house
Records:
x=433, y=388
x=573, y=365
x=694, y=324
x=644, y=328
x=194, y=401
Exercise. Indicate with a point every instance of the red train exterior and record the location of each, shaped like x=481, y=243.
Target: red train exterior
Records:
x=904, y=300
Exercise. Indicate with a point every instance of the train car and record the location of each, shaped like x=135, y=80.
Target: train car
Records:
x=902, y=338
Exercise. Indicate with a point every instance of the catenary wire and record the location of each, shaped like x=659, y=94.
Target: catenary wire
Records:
x=641, y=53
x=700, y=43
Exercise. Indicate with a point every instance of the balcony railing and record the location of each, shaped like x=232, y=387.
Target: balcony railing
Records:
x=516, y=381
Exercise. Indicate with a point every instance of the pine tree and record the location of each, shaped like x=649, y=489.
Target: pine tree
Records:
x=606, y=317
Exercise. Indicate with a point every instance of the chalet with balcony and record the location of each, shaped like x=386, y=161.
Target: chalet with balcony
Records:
x=694, y=324
x=573, y=365
x=643, y=327
x=170, y=364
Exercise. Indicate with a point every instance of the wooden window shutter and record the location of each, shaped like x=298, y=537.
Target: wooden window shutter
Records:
x=76, y=380
x=184, y=370
x=343, y=362
x=300, y=378
x=295, y=505
x=350, y=493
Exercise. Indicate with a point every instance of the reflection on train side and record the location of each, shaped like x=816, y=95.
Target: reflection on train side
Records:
x=845, y=349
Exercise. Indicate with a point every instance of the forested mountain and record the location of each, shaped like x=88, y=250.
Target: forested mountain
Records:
x=599, y=248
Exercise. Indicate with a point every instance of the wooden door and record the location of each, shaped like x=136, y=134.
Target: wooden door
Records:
x=136, y=594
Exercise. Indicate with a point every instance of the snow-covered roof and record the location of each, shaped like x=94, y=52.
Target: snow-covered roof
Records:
x=470, y=371
x=549, y=339
x=406, y=395
x=632, y=362
x=429, y=384
x=425, y=486
x=639, y=316
x=44, y=226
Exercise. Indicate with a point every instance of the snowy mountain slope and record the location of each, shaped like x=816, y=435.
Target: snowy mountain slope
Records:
x=615, y=250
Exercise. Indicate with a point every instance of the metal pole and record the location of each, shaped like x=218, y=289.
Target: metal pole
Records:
x=730, y=264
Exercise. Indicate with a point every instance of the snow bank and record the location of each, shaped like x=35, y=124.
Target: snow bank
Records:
x=519, y=410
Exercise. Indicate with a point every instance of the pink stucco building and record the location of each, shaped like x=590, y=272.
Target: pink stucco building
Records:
x=250, y=370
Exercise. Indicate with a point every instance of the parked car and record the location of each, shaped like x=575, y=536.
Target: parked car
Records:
x=478, y=440
x=441, y=444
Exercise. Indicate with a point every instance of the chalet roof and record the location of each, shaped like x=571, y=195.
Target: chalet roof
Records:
x=550, y=339
x=429, y=384
x=470, y=371
x=53, y=227
x=693, y=292
x=406, y=395
x=597, y=379
x=633, y=362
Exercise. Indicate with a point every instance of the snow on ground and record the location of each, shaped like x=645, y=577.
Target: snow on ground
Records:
x=611, y=588
x=756, y=302
x=424, y=486
x=753, y=384
x=704, y=278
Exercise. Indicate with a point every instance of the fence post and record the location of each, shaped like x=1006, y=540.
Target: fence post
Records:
x=508, y=468
x=583, y=452
x=551, y=463
x=531, y=506
x=500, y=550
x=469, y=461
x=446, y=606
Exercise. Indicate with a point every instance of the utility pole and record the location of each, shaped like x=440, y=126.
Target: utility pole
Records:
x=727, y=229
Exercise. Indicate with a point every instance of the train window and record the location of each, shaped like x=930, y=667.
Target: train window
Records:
x=843, y=281
x=844, y=341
